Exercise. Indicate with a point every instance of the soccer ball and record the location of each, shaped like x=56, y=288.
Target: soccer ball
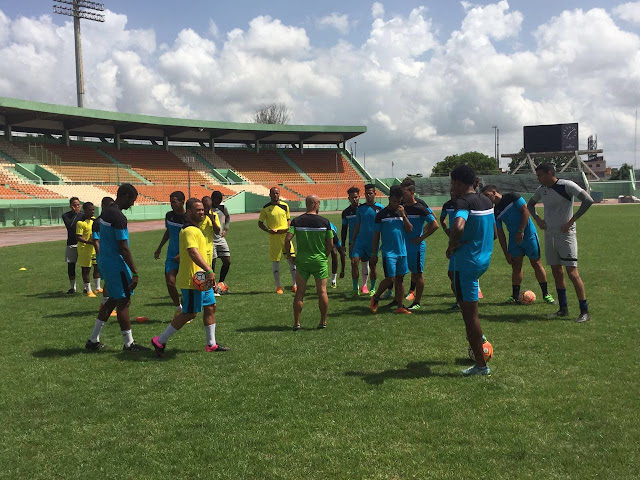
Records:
x=200, y=281
x=527, y=297
x=487, y=348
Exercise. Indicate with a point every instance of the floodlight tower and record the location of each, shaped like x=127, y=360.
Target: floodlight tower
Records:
x=79, y=9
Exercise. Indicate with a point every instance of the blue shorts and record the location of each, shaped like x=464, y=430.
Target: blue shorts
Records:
x=466, y=284
x=362, y=250
x=170, y=264
x=336, y=242
x=451, y=269
x=530, y=247
x=194, y=300
x=394, y=266
x=415, y=258
x=117, y=282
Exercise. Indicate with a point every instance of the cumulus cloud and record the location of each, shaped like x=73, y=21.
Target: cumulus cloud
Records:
x=421, y=95
x=340, y=22
x=629, y=12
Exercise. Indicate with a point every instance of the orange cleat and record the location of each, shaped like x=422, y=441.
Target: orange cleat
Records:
x=294, y=289
x=403, y=311
x=480, y=294
x=279, y=291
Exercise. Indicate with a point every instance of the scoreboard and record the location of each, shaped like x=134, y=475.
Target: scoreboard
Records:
x=561, y=137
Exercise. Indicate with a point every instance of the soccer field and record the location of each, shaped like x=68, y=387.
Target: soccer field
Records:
x=372, y=396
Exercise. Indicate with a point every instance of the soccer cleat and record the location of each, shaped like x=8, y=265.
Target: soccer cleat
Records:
x=584, y=317
x=90, y=294
x=372, y=292
x=134, y=347
x=217, y=348
x=511, y=301
x=411, y=297
x=563, y=312
x=455, y=307
x=403, y=311
x=476, y=370
x=480, y=294
x=223, y=287
x=386, y=295
x=294, y=288
x=296, y=328
x=414, y=306
x=365, y=290
x=321, y=326
x=373, y=305
x=71, y=291
x=279, y=291
x=98, y=290
x=334, y=285
x=549, y=299
x=159, y=347
x=94, y=345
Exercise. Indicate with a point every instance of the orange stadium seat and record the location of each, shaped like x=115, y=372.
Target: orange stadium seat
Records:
x=9, y=194
x=160, y=193
x=320, y=165
x=328, y=190
x=266, y=168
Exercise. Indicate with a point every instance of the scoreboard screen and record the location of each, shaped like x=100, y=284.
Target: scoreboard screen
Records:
x=561, y=137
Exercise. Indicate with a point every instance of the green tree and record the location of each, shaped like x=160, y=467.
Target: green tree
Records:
x=623, y=173
x=480, y=162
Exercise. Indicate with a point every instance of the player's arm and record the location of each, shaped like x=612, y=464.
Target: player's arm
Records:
x=199, y=260
x=406, y=224
x=96, y=246
x=328, y=245
x=531, y=206
x=287, y=243
x=164, y=240
x=503, y=243
x=82, y=240
x=264, y=228
x=587, y=201
x=457, y=229
x=443, y=222
x=123, y=247
x=343, y=237
x=215, y=221
x=429, y=228
x=227, y=221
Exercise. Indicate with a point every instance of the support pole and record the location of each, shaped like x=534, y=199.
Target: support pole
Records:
x=78, y=40
x=165, y=143
x=7, y=133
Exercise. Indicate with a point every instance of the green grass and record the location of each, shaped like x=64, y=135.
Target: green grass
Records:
x=369, y=397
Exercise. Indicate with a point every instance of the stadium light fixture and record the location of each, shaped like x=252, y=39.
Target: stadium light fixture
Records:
x=79, y=9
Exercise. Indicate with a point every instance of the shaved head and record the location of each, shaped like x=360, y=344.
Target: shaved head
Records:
x=312, y=203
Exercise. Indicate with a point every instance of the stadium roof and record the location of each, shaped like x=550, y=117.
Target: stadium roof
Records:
x=45, y=118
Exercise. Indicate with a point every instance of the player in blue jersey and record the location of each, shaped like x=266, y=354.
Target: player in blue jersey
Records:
x=348, y=226
x=424, y=224
x=392, y=226
x=446, y=217
x=470, y=244
x=117, y=268
x=335, y=251
x=360, y=248
x=174, y=220
x=511, y=209
x=95, y=234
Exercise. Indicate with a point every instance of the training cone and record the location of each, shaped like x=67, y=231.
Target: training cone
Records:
x=141, y=319
x=22, y=269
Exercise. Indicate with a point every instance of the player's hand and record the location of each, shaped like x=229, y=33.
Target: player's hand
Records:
x=567, y=226
x=271, y=232
x=541, y=223
x=211, y=279
x=156, y=254
x=224, y=233
x=401, y=210
x=519, y=237
x=416, y=241
x=509, y=258
x=134, y=283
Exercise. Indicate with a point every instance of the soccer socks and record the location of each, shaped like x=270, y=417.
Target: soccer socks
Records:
x=96, y=283
x=562, y=297
x=584, y=306
x=365, y=272
x=545, y=290
x=87, y=287
x=412, y=288
x=210, y=330
x=223, y=272
x=72, y=284
x=334, y=277
x=515, y=291
x=97, y=328
x=275, y=266
x=292, y=270
x=167, y=334
x=373, y=283
x=127, y=337
x=355, y=284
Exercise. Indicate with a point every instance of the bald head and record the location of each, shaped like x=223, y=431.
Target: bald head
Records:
x=313, y=203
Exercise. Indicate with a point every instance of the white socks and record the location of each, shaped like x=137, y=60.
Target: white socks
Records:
x=292, y=269
x=167, y=334
x=127, y=337
x=96, y=283
x=210, y=330
x=275, y=266
x=72, y=284
x=364, y=266
x=97, y=328
x=334, y=277
x=87, y=287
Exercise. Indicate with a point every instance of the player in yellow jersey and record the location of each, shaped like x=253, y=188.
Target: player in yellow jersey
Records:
x=193, y=250
x=275, y=220
x=86, y=252
x=209, y=225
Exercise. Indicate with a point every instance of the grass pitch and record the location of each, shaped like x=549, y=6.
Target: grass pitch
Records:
x=369, y=397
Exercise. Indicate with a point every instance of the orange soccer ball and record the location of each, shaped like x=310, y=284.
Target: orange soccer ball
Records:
x=527, y=297
x=200, y=281
x=487, y=349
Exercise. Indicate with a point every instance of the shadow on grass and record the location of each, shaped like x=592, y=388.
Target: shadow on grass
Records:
x=464, y=361
x=149, y=355
x=79, y=313
x=47, y=295
x=159, y=304
x=413, y=370
x=59, y=352
x=265, y=328
x=514, y=317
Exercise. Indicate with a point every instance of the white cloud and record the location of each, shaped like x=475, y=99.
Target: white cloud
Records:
x=340, y=22
x=213, y=29
x=377, y=10
x=629, y=12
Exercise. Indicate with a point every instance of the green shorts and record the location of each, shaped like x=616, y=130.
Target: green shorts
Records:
x=318, y=270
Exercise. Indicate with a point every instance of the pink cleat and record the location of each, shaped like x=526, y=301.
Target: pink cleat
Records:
x=217, y=348
x=365, y=290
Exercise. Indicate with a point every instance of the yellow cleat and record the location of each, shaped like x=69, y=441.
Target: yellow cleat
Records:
x=91, y=294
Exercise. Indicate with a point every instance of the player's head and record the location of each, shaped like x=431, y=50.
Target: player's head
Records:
x=476, y=182
x=408, y=190
x=451, y=194
x=492, y=193
x=462, y=178
x=354, y=196
x=370, y=193
x=88, y=209
x=74, y=203
x=274, y=195
x=126, y=196
x=312, y=202
x=216, y=198
x=395, y=197
x=106, y=201
x=546, y=174
x=206, y=202
x=195, y=210
x=177, y=201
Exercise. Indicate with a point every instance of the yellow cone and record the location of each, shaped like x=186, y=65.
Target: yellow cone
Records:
x=22, y=268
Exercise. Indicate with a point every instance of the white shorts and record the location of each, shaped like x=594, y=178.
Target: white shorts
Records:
x=561, y=249
x=71, y=254
x=221, y=248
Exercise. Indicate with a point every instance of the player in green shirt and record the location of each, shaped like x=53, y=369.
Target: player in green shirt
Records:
x=314, y=244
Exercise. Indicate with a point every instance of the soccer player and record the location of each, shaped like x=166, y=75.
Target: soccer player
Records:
x=335, y=251
x=511, y=210
x=391, y=223
x=117, y=268
x=210, y=227
x=314, y=238
x=276, y=220
x=220, y=241
x=348, y=226
x=95, y=234
x=86, y=251
x=193, y=251
x=70, y=219
x=360, y=248
x=173, y=221
x=560, y=240
x=448, y=211
x=471, y=245
x=424, y=224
